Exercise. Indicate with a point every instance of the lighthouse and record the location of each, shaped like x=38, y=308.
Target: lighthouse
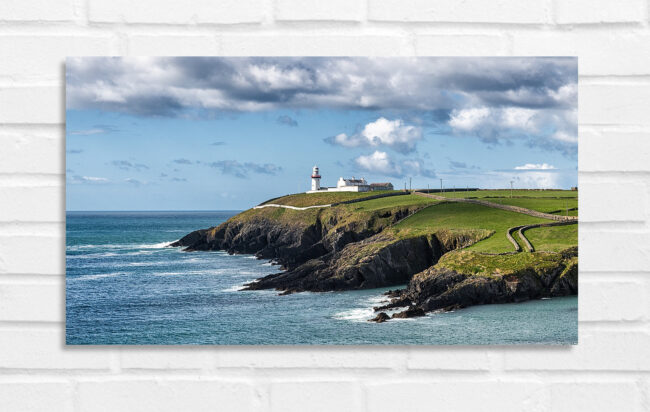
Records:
x=315, y=179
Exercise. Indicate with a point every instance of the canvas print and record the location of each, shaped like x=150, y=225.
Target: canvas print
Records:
x=321, y=200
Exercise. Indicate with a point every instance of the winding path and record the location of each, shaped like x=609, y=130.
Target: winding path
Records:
x=521, y=230
x=512, y=239
x=345, y=202
x=290, y=207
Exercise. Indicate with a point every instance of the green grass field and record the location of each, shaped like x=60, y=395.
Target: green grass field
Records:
x=542, y=204
x=466, y=261
x=390, y=202
x=326, y=198
x=554, y=238
x=469, y=216
x=435, y=215
x=515, y=193
x=563, y=213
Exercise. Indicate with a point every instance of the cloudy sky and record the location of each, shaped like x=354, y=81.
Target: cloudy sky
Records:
x=227, y=133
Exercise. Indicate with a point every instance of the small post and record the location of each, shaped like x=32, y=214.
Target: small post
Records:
x=511, y=189
x=410, y=187
x=566, y=205
x=441, y=186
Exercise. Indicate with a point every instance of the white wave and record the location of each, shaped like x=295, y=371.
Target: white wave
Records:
x=92, y=255
x=97, y=276
x=148, y=263
x=159, y=245
x=377, y=300
x=90, y=247
x=235, y=288
x=153, y=245
x=248, y=272
x=187, y=272
x=355, y=315
x=109, y=254
x=170, y=273
x=139, y=252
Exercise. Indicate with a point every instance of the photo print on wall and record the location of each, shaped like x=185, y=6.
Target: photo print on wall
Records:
x=321, y=200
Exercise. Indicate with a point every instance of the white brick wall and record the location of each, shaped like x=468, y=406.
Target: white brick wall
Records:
x=608, y=370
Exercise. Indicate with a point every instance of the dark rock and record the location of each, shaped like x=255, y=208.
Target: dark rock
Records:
x=397, y=302
x=443, y=289
x=394, y=293
x=411, y=312
x=393, y=263
x=381, y=317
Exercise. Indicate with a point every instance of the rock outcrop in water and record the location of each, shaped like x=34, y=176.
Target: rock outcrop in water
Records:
x=442, y=288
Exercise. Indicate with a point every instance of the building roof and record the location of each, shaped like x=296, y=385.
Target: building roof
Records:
x=381, y=184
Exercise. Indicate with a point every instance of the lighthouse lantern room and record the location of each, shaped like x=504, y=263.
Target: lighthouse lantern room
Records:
x=315, y=179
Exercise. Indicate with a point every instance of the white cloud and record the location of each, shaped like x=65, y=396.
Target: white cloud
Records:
x=484, y=117
x=537, y=180
x=87, y=132
x=87, y=179
x=563, y=136
x=133, y=181
x=535, y=166
x=544, y=128
x=392, y=133
x=494, y=99
x=469, y=119
x=376, y=162
x=165, y=85
x=517, y=117
x=566, y=94
x=380, y=163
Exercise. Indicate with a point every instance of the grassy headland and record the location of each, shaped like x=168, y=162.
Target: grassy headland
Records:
x=407, y=238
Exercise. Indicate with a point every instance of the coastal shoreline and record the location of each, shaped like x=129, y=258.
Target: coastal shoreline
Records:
x=334, y=249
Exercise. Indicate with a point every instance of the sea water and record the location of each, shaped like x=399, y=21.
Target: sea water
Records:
x=124, y=285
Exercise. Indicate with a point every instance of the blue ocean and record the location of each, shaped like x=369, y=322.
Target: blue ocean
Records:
x=125, y=286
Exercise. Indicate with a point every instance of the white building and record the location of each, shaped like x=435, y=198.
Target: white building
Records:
x=315, y=180
x=342, y=185
x=351, y=185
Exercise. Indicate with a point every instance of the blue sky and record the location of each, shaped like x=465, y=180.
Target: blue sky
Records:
x=219, y=133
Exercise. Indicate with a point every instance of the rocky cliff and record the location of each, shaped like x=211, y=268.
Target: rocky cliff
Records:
x=292, y=238
x=385, y=259
x=341, y=248
x=465, y=278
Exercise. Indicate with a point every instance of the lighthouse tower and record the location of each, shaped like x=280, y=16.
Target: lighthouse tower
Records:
x=315, y=179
